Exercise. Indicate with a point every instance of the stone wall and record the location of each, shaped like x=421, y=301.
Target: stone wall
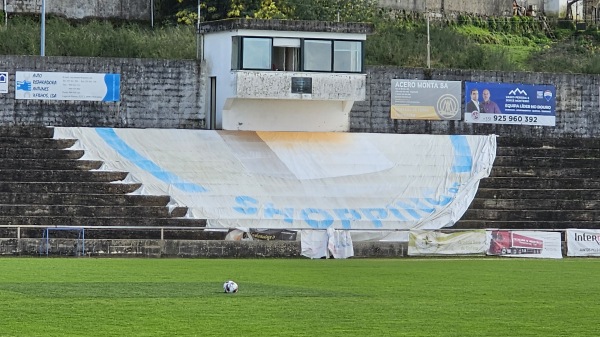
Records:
x=170, y=94
x=577, y=106
x=183, y=248
x=154, y=94
x=488, y=7
x=82, y=9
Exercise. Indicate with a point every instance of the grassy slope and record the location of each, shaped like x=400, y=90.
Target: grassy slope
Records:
x=513, y=45
x=356, y=297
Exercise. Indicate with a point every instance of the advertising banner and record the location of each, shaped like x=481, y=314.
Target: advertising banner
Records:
x=583, y=242
x=510, y=103
x=424, y=242
x=426, y=100
x=67, y=86
x=524, y=244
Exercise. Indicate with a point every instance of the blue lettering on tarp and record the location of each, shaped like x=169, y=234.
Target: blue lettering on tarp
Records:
x=244, y=200
x=288, y=213
x=422, y=207
x=111, y=138
x=443, y=201
x=346, y=222
x=463, y=161
x=416, y=208
x=325, y=223
x=375, y=215
x=408, y=209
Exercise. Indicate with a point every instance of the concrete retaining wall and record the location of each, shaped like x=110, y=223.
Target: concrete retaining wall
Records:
x=577, y=105
x=171, y=94
x=183, y=248
x=81, y=9
x=488, y=7
x=154, y=94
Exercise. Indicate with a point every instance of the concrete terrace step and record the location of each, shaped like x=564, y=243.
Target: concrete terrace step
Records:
x=50, y=164
x=558, y=193
x=98, y=221
x=61, y=175
x=558, y=172
x=91, y=211
x=29, y=153
x=545, y=162
x=83, y=199
x=573, y=143
x=524, y=224
x=26, y=131
x=540, y=183
x=68, y=187
x=532, y=215
x=36, y=143
x=546, y=152
x=534, y=204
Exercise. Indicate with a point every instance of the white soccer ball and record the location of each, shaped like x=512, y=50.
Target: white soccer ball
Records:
x=230, y=287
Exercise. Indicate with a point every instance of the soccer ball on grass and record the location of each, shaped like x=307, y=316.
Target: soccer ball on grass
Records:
x=230, y=287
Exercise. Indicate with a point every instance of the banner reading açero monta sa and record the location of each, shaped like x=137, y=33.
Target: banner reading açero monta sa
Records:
x=510, y=103
x=425, y=99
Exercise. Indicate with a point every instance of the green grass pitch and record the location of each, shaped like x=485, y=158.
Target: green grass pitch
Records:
x=299, y=297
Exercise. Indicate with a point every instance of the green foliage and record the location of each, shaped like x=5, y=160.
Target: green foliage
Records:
x=269, y=10
x=400, y=38
x=97, y=39
x=298, y=297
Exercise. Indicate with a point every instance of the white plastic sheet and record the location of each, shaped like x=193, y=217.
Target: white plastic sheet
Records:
x=299, y=180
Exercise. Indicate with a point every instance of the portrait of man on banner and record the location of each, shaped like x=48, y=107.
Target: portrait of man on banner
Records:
x=488, y=106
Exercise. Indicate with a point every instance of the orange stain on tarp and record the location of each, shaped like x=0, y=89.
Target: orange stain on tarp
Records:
x=293, y=138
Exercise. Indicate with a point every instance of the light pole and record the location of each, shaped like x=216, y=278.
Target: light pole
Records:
x=198, y=40
x=43, y=30
x=428, y=45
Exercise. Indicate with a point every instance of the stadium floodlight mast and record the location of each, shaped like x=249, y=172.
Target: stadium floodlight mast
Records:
x=43, y=29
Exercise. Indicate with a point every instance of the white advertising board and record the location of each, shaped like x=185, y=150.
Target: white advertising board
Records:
x=583, y=242
x=67, y=86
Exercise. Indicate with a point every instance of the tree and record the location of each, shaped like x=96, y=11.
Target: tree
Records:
x=185, y=11
x=269, y=10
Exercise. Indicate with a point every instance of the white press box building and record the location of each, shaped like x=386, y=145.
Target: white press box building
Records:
x=283, y=75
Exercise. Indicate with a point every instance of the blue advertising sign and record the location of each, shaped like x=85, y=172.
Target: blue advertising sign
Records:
x=510, y=103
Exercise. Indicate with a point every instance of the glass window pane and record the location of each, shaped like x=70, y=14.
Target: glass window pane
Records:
x=317, y=55
x=347, y=56
x=256, y=53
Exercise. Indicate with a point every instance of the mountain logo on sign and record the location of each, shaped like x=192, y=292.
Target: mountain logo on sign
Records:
x=518, y=91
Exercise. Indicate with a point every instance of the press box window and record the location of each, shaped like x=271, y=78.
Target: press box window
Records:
x=317, y=55
x=256, y=53
x=347, y=56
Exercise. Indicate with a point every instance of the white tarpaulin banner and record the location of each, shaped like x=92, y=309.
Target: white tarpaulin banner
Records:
x=583, y=242
x=297, y=180
x=524, y=244
x=313, y=244
x=340, y=243
x=423, y=242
